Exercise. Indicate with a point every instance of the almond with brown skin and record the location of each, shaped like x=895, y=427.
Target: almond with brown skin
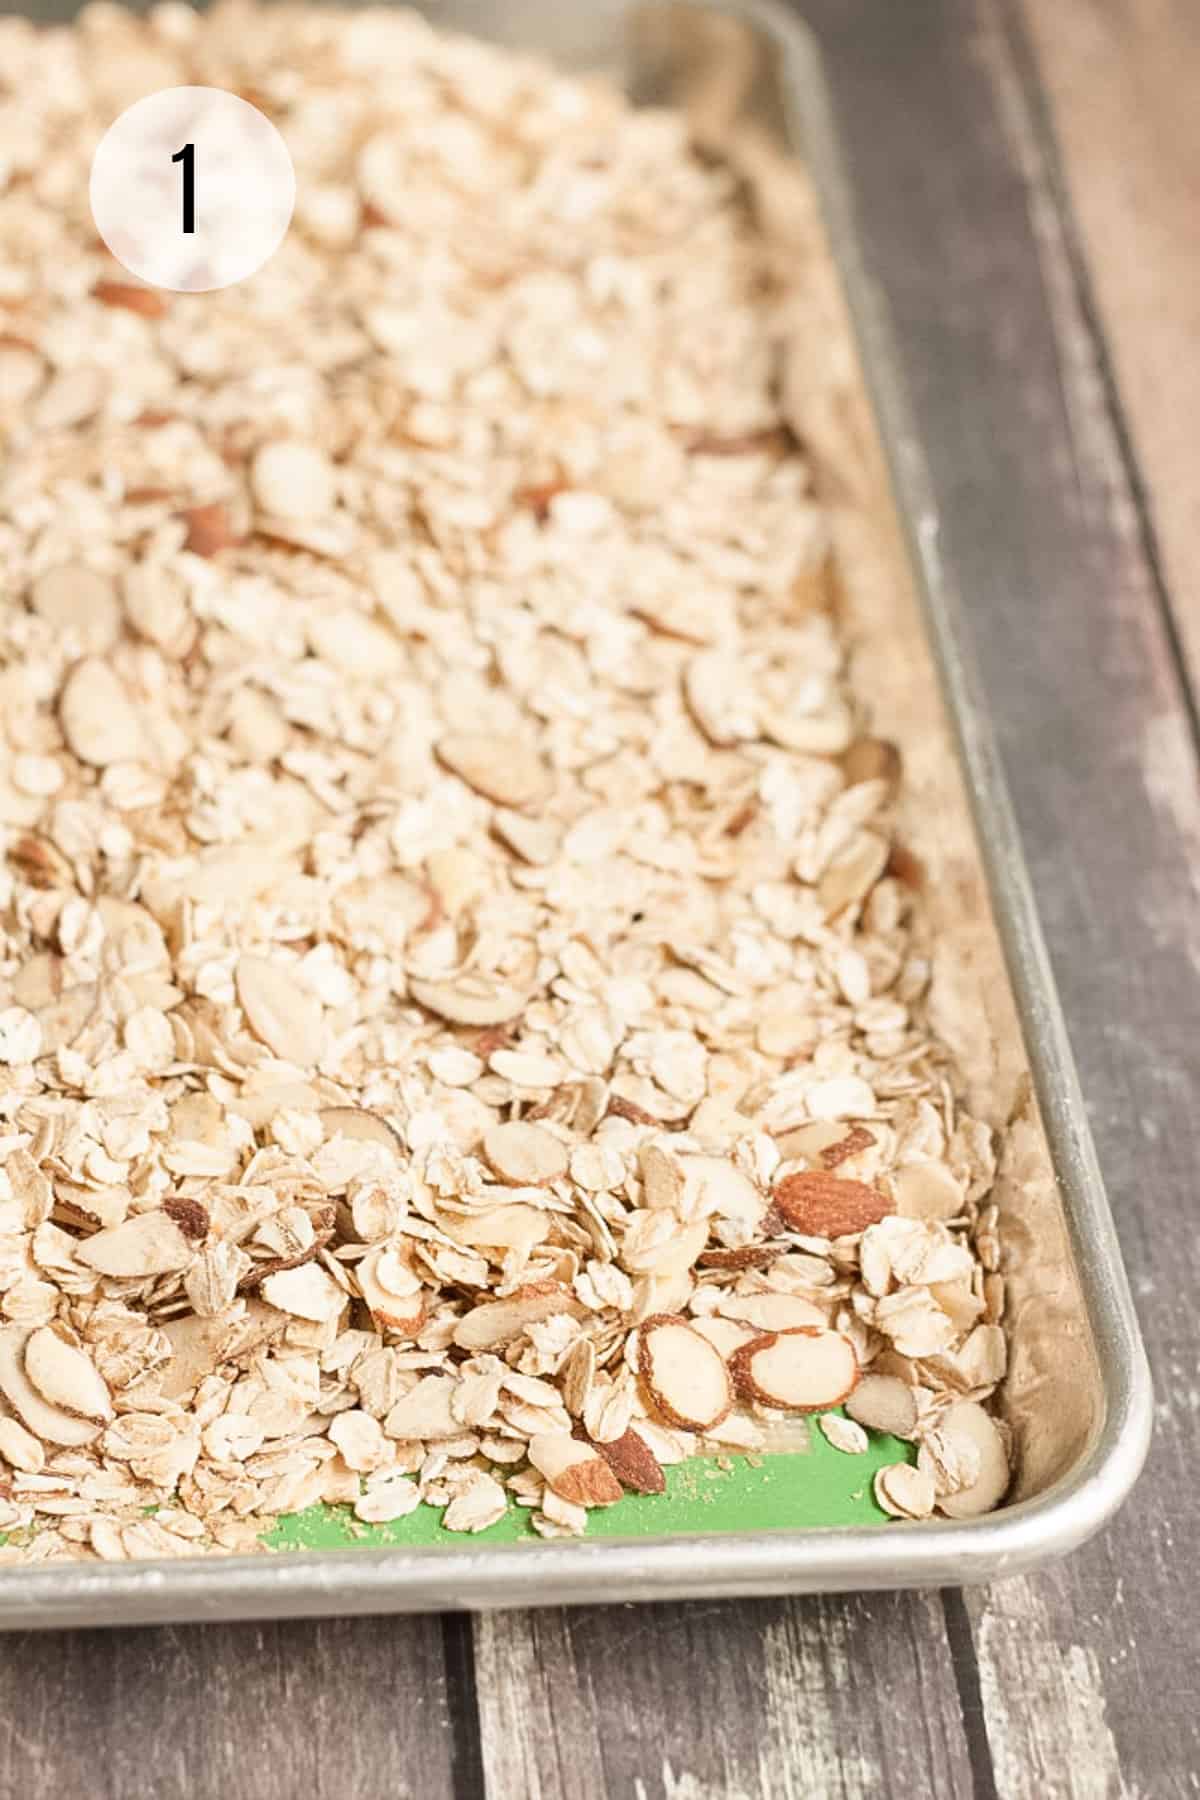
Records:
x=574, y=1469
x=146, y=302
x=208, y=529
x=682, y=1375
x=830, y=1206
x=620, y=1108
x=801, y=1370
x=856, y=1139
x=395, y=1298
x=748, y=1256
x=191, y=1218
x=633, y=1462
x=323, y=1220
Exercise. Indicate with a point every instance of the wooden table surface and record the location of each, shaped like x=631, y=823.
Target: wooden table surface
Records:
x=1029, y=179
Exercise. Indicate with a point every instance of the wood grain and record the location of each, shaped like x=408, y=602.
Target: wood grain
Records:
x=839, y=1698
x=1076, y=1684
x=1121, y=79
x=1080, y=1670
x=245, y=1712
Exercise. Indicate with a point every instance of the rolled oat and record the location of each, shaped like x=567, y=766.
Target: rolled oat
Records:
x=455, y=1004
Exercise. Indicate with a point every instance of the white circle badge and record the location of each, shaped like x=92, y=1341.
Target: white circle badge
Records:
x=192, y=189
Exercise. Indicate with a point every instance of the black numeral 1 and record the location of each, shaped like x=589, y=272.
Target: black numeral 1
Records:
x=187, y=156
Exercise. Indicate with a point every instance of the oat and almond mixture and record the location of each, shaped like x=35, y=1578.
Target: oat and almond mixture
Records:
x=462, y=1029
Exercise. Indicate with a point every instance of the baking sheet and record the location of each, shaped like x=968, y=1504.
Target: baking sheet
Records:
x=1078, y=1395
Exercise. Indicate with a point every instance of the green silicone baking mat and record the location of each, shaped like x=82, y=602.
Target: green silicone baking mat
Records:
x=818, y=1487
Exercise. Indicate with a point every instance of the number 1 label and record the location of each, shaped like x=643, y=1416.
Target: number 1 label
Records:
x=203, y=218
x=187, y=156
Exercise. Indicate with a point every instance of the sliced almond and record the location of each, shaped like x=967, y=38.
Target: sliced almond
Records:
x=148, y=303
x=294, y=1258
x=745, y=1256
x=574, y=1469
x=150, y=1243
x=510, y=1227
x=426, y=1414
x=719, y=699
x=52, y=1424
x=208, y=529
x=191, y=1218
x=905, y=1492
x=726, y=1335
x=501, y=769
x=93, y=1208
x=801, y=1370
x=97, y=716
x=471, y=999
x=967, y=1426
x=523, y=1155
x=365, y=1127
x=66, y=1376
x=398, y=1305
x=633, y=1462
x=683, y=1376
x=853, y=872
x=577, y=1374
x=498, y=1322
x=534, y=840
x=19, y=1448
x=845, y=1145
x=280, y=1010
x=823, y=1205
x=884, y=1403
x=773, y=1312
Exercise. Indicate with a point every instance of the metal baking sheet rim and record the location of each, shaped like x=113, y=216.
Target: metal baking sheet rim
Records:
x=933, y=1553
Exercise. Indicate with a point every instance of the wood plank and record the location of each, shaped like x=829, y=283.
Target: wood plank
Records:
x=840, y=1698
x=247, y=1712
x=1037, y=503
x=1121, y=79
x=1081, y=1668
